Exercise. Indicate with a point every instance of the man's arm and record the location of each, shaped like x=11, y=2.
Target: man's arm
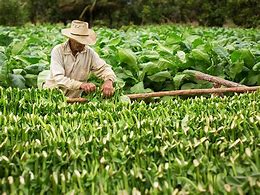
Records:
x=58, y=72
x=104, y=71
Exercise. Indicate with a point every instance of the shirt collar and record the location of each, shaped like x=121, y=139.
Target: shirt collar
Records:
x=67, y=50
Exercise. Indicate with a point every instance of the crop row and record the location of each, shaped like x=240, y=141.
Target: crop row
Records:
x=195, y=145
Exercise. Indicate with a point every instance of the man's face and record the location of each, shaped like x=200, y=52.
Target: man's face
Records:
x=76, y=46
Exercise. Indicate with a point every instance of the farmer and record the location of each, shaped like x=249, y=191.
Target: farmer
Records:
x=74, y=60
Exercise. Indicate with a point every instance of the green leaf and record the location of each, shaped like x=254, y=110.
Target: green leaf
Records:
x=245, y=55
x=253, y=78
x=31, y=80
x=164, y=50
x=42, y=77
x=182, y=56
x=248, y=58
x=19, y=72
x=178, y=79
x=197, y=42
x=18, y=47
x=123, y=73
x=17, y=81
x=235, y=69
x=35, y=68
x=149, y=56
x=115, y=41
x=5, y=40
x=221, y=52
x=31, y=59
x=198, y=54
x=256, y=67
x=139, y=88
x=2, y=58
x=128, y=57
x=164, y=64
x=160, y=76
x=173, y=38
x=235, y=56
x=189, y=86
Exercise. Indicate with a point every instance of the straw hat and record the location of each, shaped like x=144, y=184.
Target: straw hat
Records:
x=80, y=32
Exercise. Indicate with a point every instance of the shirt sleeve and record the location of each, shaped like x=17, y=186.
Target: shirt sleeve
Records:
x=101, y=69
x=58, y=72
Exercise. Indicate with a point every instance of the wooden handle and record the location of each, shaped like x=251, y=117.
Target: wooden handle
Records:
x=194, y=92
x=206, y=77
x=76, y=100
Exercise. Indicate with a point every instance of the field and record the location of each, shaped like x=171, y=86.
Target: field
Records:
x=145, y=59
x=196, y=145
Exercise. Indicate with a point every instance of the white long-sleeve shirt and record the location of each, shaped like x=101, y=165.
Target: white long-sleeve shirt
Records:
x=68, y=72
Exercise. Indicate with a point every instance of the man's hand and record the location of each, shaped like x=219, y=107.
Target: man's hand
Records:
x=88, y=87
x=107, y=88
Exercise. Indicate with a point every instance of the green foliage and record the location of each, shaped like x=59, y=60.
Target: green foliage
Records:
x=13, y=12
x=150, y=58
x=193, y=146
x=117, y=13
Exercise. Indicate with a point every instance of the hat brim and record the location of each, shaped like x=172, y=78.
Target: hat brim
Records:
x=89, y=39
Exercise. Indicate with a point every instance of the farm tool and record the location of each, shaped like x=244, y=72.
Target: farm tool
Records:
x=217, y=89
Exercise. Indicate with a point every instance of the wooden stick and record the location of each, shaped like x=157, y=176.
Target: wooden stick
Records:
x=194, y=92
x=206, y=77
x=76, y=100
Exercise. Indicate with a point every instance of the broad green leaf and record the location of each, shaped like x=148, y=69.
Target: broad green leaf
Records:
x=178, y=79
x=31, y=80
x=253, y=78
x=35, y=68
x=123, y=73
x=160, y=76
x=18, y=47
x=221, y=52
x=236, y=68
x=256, y=67
x=245, y=55
x=192, y=38
x=164, y=50
x=197, y=42
x=17, y=81
x=5, y=40
x=173, y=38
x=115, y=41
x=128, y=57
x=235, y=56
x=42, y=78
x=198, y=54
x=175, y=48
x=150, y=43
x=182, y=56
x=248, y=58
x=19, y=71
x=149, y=56
x=2, y=59
x=31, y=59
x=150, y=68
x=139, y=88
x=164, y=64
x=189, y=86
